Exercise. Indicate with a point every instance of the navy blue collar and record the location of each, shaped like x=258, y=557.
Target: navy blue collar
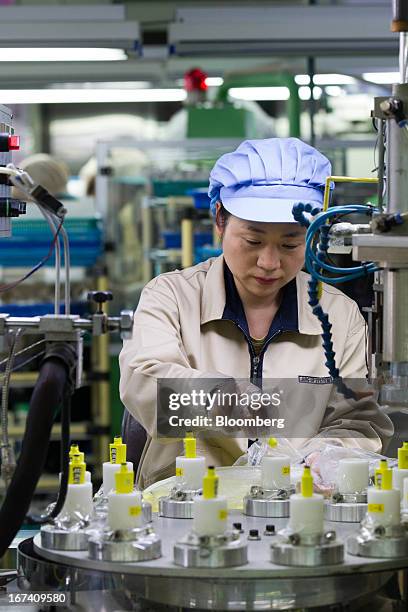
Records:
x=286, y=319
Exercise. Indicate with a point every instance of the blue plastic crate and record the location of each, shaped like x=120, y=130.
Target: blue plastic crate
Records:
x=41, y=309
x=172, y=239
x=200, y=198
x=205, y=252
x=31, y=240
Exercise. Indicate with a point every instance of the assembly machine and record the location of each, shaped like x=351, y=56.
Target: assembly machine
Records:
x=196, y=554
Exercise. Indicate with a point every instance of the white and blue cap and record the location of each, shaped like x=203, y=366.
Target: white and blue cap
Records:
x=262, y=179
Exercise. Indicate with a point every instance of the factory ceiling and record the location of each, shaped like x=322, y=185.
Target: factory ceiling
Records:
x=157, y=18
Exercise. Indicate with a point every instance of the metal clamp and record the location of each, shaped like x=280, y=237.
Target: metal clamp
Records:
x=346, y=507
x=66, y=533
x=268, y=503
x=125, y=545
x=226, y=550
x=376, y=540
x=179, y=504
x=308, y=550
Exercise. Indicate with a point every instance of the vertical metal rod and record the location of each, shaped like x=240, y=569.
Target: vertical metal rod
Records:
x=311, y=69
x=57, y=292
x=101, y=406
x=403, y=50
x=67, y=267
x=381, y=159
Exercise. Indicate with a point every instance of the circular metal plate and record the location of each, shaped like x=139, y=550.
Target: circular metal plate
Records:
x=345, y=513
x=58, y=539
x=266, y=508
x=283, y=553
x=145, y=548
x=258, y=585
x=381, y=548
x=241, y=588
x=171, y=508
x=230, y=555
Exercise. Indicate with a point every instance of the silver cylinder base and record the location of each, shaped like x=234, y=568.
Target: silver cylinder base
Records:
x=309, y=551
x=130, y=545
x=266, y=508
x=179, y=504
x=211, y=551
x=55, y=538
x=345, y=513
x=171, y=508
x=267, y=503
x=379, y=542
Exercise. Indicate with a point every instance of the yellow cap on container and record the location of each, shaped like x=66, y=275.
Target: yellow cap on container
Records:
x=386, y=480
x=190, y=446
x=403, y=456
x=117, y=451
x=77, y=470
x=383, y=465
x=74, y=450
x=272, y=442
x=306, y=484
x=124, y=479
x=210, y=484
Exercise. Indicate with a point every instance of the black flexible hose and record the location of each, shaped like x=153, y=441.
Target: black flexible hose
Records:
x=64, y=466
x=49, y=393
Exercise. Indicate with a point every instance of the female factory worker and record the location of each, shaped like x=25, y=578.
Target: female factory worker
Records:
x=246, y=313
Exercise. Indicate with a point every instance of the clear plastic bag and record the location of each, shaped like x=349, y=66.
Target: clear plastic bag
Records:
x=324, y=462
x=234, y=483
x=257, y=451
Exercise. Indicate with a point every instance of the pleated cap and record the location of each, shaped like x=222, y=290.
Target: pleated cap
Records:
x=262, y=179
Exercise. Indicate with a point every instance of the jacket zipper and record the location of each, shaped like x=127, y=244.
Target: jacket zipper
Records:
x=254, y=367
x=255, y=359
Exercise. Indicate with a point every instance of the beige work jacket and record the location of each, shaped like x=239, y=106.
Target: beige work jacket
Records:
x=179, y=333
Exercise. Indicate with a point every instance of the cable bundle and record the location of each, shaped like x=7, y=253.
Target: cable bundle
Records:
x=315, y=263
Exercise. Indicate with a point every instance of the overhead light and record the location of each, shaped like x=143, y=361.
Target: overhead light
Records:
x=382, y=78
x=81, y=96
x=302, y=79
x=325, y=79
x=103, y=85
x=304, y=92
x=334, y=90
x=259, y=93
x=61, y=54
x=214, y=81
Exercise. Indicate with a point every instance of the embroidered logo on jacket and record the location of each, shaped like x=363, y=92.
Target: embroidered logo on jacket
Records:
x=316, y=380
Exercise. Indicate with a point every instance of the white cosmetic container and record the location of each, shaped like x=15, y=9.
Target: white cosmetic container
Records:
x=275, y=472
x=108, y=473
x=210, y=515
x=352, y=475
x=306, y=514
x=125, y=510
x=190, y=471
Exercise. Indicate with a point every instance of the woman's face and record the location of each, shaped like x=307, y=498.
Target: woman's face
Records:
x=263, y=257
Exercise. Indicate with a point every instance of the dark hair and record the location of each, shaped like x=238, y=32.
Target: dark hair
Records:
x=223, y=216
